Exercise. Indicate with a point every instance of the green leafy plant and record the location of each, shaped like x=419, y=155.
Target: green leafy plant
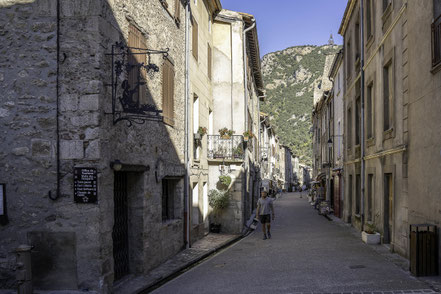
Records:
x=238, y=151
x=224, y=132
x=248, y=134
x=370, y=228
x=225, y=181
x=218, y=200
x=202, y=131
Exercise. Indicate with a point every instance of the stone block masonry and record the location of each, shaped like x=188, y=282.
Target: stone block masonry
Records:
x=33, y=35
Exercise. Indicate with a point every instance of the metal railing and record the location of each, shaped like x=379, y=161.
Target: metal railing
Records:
x=225, y=148
x=264, y=152
x=436, y=41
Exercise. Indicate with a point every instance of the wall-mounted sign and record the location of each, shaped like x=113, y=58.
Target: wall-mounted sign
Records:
x=3, y=211
x=85, y=185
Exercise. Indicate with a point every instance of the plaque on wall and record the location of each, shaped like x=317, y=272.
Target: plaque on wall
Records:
x=85, y=185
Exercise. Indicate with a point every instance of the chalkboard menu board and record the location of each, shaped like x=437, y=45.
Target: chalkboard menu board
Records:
x=85, y=185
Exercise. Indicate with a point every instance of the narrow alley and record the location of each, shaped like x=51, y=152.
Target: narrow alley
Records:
x=307, y=253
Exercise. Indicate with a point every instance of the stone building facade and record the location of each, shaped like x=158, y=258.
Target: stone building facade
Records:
x=237, y=91
x=401, y=120
x=201, y=110
x=57, y=116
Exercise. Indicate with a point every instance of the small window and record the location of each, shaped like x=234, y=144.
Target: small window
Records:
x=194, y=35
x=369, y=111
x=357, y=194
x=168, y=199
x=369, y=20
x=369, y=197
x=357, y=121
x=209, y=61
x=168, y=85
x=387, y=97
x=436, y=34
x=348, y=59
x=349, y=130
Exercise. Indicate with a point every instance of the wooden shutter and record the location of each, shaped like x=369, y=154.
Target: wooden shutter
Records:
x=209, y=62
x=194, y=36
x=177, y=10
x=137, y=75
x=168, y=76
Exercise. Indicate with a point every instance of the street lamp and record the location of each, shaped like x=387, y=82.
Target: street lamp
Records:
x=330, y=143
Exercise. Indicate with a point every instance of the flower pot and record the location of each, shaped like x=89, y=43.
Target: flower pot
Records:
x=226, y=137
x=370, y=238
x=246, y=138
x=197, y=136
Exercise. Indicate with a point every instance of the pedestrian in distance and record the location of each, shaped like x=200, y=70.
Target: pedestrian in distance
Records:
x=264, y=211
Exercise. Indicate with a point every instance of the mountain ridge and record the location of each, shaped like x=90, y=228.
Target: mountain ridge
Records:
x=291, y=76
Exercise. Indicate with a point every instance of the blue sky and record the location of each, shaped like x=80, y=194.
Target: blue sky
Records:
x=286, y=23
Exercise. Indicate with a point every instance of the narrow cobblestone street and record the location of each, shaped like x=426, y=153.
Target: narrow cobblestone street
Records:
x=307, y=253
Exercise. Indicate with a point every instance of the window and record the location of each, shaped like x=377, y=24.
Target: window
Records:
x=369, y=20
x=137, y=75
x=194, y=35
x=436, y=33
x=369, y=112
x=195, y=204
x=357, y=194
x=196, y=145
x=168, y=88
x=357, y=43
x=168, y=187
x=338, y=82
x=338, y=139
x=349, y=59
x=357, y=121
x=349, y=131
x=387, y=97
x=350, y=194
x=209, y=61
x=369, y=196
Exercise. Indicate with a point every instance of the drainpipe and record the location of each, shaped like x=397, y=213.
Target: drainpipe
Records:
x=245, y=70
x=363, y=167
x=186, y=139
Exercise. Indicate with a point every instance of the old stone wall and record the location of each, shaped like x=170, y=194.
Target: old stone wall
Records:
x=87, y=138
x=28, y=74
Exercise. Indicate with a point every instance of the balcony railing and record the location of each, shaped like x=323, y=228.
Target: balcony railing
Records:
x=264, y=153
x=223, y=148
x=436, y=41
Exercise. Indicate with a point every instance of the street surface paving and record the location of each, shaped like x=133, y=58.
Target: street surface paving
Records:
x=307, y=254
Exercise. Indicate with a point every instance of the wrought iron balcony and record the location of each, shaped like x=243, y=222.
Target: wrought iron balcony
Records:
x=264, y=153
x=225, y=148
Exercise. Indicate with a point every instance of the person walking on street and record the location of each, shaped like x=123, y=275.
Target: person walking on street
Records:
x=263, y=212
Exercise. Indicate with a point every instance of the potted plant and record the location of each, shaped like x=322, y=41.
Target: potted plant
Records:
x=224, y=182
x=226, y=133
x=369, y=235
x=200, y=133
x=238, y=151
x=218, y=200
x=247, y=135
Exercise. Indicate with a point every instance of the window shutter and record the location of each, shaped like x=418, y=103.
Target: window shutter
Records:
x=194, y=38
x=177, y=10
x=209, y=61
x=168, y=92
x=136, y=74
